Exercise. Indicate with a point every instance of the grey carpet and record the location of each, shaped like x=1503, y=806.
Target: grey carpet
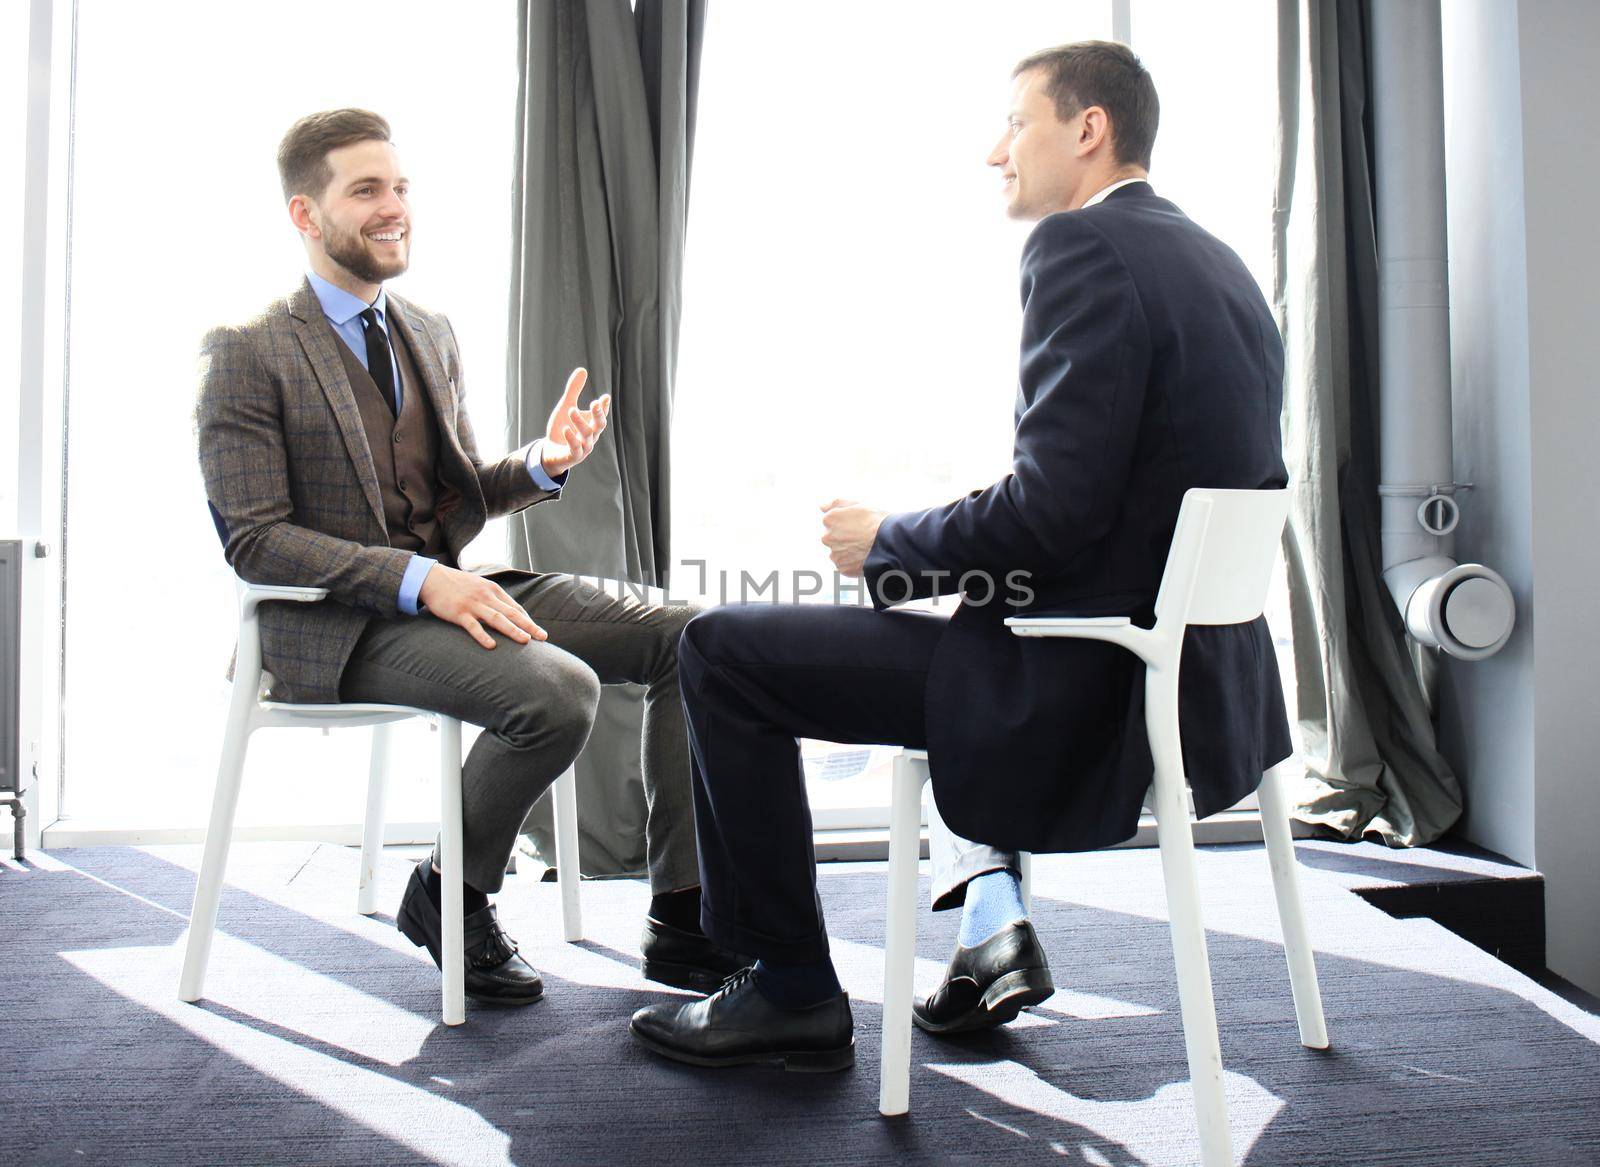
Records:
x=318, y=1041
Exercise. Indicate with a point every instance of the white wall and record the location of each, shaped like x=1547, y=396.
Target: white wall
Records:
x=1524, y=157
x=1561, y=161
x=1487, y=709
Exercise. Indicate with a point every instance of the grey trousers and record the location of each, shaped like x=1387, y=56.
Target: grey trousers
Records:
x=955, y=860
x=536, y=704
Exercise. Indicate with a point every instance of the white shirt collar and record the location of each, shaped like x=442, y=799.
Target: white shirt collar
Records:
x=1100, y=195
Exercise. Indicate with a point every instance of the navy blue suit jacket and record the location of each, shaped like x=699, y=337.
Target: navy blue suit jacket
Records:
x=1150, y=364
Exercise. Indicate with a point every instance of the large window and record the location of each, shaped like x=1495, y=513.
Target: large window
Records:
x=1216, y=153
x=1216, y=157
x=850, y=301
x=851, y=306
x=178, y=225
x=850, y=327
x=13, y=116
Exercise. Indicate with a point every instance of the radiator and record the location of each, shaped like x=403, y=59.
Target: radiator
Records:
x=11, y=778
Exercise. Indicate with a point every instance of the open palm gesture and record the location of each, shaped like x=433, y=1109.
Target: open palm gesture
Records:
x=572, y=432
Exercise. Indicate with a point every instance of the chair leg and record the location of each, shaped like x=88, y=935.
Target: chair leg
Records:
x=899, y=960
x=219, y=837
x=372, y=832
x=19, y=815
x=451, y=947
x=564, y=803
x=1188, y=932
x=1025, y=877
x=1291, y=913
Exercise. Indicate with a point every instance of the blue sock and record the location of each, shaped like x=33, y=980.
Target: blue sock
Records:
x=797, y=986
x=994, y=899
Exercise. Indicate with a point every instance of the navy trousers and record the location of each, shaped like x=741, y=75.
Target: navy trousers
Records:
x=755, y=678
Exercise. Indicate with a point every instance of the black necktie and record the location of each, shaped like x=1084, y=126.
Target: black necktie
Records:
x=378, y=363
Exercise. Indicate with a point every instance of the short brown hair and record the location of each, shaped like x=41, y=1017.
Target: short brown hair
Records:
x=303, y=154
x=1109, y=75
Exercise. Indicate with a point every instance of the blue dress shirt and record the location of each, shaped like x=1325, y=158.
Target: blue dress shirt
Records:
x=343, y=311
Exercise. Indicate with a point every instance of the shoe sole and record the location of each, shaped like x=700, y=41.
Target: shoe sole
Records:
x=1000, y=1003
x=505, y=1002
x=682, y=976
x=795, y=1061
x=413, y=930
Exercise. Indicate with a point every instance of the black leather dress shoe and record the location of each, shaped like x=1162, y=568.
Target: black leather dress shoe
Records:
x=736, y=1026
x=496, y=975
x=989, y=984
x=686, y=960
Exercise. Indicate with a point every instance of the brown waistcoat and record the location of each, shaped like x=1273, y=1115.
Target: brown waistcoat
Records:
x=405, y=452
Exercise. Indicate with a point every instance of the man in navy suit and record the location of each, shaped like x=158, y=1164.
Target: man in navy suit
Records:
x=1150, y=365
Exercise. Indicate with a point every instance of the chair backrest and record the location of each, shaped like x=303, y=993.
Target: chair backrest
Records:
x=1222, y=553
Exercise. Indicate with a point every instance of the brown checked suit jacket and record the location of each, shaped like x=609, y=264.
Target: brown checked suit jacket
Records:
x=288, y=468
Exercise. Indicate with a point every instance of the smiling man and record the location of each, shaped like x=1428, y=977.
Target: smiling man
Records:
x=1150, y=364
x=338, y=454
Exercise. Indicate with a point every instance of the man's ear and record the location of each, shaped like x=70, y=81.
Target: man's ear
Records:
x=1094, y=131
x=302, y=213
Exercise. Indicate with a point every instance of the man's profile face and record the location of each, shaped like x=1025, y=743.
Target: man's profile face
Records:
x=1037, y=156
x=363, y=218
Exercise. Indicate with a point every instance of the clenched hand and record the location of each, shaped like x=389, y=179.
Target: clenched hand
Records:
x=849, y=530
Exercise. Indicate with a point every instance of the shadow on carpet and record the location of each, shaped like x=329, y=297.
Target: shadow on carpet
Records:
x=319, y=1041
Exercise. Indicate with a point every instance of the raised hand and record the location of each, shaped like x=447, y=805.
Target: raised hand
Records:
x=476, y=605
x=572, y=432
x=848, y=532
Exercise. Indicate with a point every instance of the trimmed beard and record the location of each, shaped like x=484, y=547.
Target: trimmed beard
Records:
x=348, y=249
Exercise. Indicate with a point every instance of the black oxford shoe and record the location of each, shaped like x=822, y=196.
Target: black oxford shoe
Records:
x=686, y=960
x=988, y=984
x=737, y=1025
x=496, y=975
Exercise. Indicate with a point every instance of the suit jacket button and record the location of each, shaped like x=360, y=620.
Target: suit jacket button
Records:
x=397, y=436
x=402, y=484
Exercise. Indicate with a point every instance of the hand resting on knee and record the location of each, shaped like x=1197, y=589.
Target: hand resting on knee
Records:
x=476, y=604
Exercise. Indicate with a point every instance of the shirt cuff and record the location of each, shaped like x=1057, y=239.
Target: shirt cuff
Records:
x=411, y=583
x=536, y=470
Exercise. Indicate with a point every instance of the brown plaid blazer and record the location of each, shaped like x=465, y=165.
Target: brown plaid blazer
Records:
x=287, y=466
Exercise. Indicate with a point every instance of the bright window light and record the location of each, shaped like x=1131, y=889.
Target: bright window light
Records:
x=13, y=147
x=178, y=225
x=851, y=305
x=850, y=318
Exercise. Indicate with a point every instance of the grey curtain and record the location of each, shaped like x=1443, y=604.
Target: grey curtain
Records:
x=1372, y=767
x=605, y=131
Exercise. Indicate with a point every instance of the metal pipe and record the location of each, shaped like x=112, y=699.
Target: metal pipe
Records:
x=1465, y=609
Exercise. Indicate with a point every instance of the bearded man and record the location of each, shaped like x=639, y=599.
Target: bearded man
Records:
x=338, y=454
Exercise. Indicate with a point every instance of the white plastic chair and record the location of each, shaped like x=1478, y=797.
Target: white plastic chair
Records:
x=1217, y=572
x=248, y=712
